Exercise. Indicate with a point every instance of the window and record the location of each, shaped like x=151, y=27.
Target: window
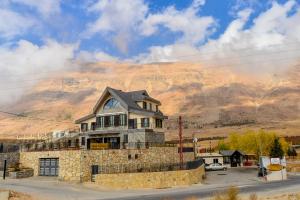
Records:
x=116, y=120
x=216, y=160
x=125, y=138
x=158, y=123
x=106, y=121
x=83, y=141
x=136, y=156
x=144, y=122
x=144, y=105
x=111, y=103
x=100, y=122
x=150, y=106
x=129, y=156
x=123, y=120
x=156, y=108
x=111, y=120
x=84, y=127
x=132, y=123
x=93, y=126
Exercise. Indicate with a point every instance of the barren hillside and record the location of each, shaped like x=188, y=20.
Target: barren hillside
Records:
x=213, y=101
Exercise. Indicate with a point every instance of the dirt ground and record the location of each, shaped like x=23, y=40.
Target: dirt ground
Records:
x=19, y=196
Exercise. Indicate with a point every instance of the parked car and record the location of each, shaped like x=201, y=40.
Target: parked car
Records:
x=215, y=167
x=262, y=172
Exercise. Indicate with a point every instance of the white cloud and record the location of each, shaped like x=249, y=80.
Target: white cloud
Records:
x=45, y=7
x=118, y=17
x=28, y=61
x=269, y=45
x=98, y=56
x=193, y=27
x=13, y=23
x=127, y=21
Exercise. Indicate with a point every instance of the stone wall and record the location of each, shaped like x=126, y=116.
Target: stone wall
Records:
x=151, y=180
x=12, y=159
x=75, y=165
x=69, y=162
x=153, y=155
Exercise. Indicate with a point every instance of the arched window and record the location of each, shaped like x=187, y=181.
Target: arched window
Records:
x=111, y=103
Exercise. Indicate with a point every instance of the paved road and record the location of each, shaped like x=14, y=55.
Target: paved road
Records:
x=292, y=184
x=47, y=189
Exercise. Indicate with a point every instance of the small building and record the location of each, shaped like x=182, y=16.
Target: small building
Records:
x=122, y=120
x=209, y=158
x=233, y=158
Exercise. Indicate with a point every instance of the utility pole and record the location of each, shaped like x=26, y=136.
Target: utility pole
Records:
x=180, y=143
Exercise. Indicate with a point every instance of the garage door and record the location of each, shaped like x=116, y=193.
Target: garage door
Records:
x=49, y=166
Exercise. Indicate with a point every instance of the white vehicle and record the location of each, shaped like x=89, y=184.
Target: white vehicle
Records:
x=215, y=167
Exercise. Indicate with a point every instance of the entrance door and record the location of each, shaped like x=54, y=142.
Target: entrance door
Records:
x=49, y=166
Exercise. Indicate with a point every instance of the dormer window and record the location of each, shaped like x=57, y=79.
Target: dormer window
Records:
x=111, y=103
x=144, y=105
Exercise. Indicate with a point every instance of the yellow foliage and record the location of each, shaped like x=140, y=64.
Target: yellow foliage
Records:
x=254, y=142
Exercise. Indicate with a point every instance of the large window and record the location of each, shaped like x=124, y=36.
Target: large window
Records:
x=158, y=123
x=144, y=122
x=132, y=123
x=84, y=127
x=111, y=103
x=144, y=105
x=111, y=121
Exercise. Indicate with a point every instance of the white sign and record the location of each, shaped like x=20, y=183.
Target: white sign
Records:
x=275, y=161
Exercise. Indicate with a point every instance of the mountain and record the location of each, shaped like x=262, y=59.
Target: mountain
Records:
x=213, y=101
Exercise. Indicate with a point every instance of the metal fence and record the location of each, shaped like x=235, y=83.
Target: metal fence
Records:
x=145, y=167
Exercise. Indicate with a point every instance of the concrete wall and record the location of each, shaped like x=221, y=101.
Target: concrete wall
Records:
x=12, y=159
x=75, y=165
x=151, y=180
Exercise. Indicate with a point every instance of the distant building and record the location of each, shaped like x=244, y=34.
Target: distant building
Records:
x=210, y=158
x=122, y=120
x=233, y=158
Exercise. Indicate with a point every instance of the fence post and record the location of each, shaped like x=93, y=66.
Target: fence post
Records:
x=4, y=169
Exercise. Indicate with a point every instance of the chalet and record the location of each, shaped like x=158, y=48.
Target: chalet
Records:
x=122, y=120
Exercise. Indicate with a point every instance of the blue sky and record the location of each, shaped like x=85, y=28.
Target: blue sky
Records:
x=249, y=36
x=74, y=22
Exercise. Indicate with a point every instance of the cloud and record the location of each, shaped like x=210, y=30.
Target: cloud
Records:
x=194, y=28
x=20, y=66
x=13, y=23
x=97, y=56
x=124, y=22
x=119, y=18
x=44, y=7
x=268, y=44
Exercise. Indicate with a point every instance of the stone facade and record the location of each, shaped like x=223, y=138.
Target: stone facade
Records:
x=75, y=165
x=12, y=159
x=151, y=180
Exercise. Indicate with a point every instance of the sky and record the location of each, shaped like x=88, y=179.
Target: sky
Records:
x=41, y=35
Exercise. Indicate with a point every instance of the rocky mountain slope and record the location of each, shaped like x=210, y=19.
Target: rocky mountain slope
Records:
x=213, y=101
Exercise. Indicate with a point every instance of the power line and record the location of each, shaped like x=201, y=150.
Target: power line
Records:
x=35, y=118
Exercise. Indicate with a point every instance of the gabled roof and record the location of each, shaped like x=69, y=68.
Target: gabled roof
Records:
x=128, y=101
x=230, y=152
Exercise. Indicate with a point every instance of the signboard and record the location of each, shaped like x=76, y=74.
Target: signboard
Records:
x=275, y=161
x=99, y=146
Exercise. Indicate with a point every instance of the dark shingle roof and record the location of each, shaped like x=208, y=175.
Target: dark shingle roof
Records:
x=230, y=152
x=129, y=101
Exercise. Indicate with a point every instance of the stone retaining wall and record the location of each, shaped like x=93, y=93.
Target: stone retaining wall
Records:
x=75, y=165
x=151, y=179
x=12, y=159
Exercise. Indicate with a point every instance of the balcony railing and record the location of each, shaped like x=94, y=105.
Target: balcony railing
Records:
x=125, y=127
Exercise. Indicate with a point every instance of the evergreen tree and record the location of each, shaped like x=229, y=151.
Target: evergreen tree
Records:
x=276, y=149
